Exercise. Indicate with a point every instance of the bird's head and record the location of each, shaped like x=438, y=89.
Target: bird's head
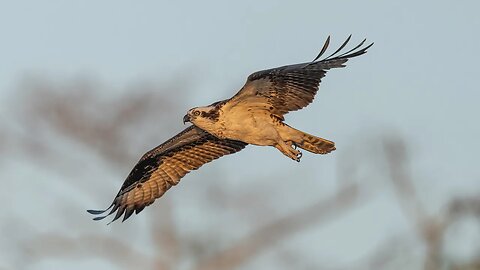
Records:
x=202, y=116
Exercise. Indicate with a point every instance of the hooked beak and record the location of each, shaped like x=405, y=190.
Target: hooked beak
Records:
x=186, y=118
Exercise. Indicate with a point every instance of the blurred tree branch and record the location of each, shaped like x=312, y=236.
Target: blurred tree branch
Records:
x=106, y=125
x=431, y=229
x=267, y=235
x=54, y=119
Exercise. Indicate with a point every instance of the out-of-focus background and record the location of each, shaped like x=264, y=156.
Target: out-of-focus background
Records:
x=86, y=87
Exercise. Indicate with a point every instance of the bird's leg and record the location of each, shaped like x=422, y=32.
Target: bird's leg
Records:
x=294, y=145
x=291, y=144
x=287, y=149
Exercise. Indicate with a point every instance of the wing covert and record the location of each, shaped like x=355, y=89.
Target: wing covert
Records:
x=292, y=87
x=163, y=167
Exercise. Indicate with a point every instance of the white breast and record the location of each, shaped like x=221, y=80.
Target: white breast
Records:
x=248, y=125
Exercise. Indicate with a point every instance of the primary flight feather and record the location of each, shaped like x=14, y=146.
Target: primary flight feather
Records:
x=252, y=116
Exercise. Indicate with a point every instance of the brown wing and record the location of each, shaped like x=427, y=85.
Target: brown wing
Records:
x=163, y=167
x=289, y=88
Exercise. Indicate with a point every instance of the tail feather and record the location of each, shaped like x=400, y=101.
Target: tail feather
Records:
x=316, y=145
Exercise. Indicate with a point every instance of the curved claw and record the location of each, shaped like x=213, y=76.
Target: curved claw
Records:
x=299, y=156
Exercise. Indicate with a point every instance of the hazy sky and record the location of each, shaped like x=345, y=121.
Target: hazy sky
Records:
x=418, y=80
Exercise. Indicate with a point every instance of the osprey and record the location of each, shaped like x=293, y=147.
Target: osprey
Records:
x=255, y=115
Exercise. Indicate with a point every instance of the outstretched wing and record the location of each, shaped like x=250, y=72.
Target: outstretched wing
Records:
x=164, y=166
x=289, y=88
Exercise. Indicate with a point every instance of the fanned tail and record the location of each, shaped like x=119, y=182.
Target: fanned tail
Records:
x=316, y=145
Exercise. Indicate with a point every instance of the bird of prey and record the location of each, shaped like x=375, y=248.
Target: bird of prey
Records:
x=254, y=115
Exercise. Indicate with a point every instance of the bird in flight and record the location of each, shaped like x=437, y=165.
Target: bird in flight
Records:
x=254, y=115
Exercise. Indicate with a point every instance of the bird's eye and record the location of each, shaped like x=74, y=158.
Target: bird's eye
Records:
x=196, y=113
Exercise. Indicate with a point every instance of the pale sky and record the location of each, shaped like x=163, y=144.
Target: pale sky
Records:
x=418, y=80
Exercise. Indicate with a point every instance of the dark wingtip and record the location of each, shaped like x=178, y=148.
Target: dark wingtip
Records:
x=340, y=48
x=96, y=212
x=322, y=51
x=364, y=50
x=359, y=52
x=128, y=212
x=99, y=218
x=370, y=45
x=355, y=51
x=119, y=213
x=139, y=209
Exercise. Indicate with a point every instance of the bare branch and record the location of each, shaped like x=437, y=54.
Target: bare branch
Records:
x=85, y=247
x=430, y=229
x=396, y=154
x=270, y=234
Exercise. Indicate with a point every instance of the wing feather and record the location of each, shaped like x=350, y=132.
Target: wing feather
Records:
x=163, y=167
x=290, y=88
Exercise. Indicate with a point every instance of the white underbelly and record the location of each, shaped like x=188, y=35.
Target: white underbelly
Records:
x=251, y=128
